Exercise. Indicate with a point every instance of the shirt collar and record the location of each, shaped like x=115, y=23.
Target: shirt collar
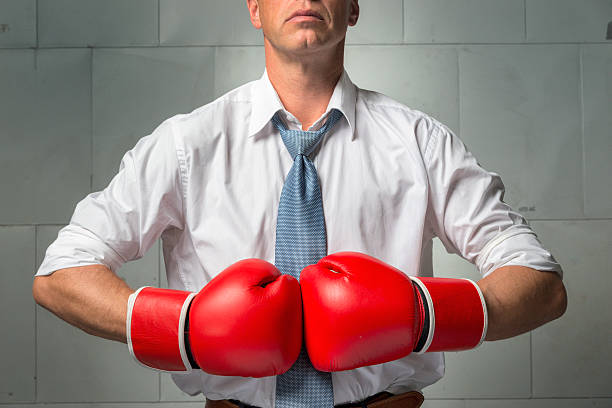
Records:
x=265, y=102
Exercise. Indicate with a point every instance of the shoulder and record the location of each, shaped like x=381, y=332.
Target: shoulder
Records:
x=213, y=119
x=405, y=120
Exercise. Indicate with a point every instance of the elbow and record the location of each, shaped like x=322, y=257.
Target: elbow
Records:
x=40, y=290
x=559, y=299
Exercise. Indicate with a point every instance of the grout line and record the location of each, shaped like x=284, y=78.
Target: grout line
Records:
x=35, y=321
x=158, y=23
x=36, y=23
x=215, y=53
x=530, y=365
x=430, y=44
x=525, y=20
x=159, y=250
x=568, y=219
x=79, y=404
x=403, y=20
x=459, y=104
x=26, y=225
x=582, y=124
x=478, y=398
x=159, y=258
x=91, y=119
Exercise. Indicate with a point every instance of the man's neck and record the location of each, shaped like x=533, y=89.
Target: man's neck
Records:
x=305, y=85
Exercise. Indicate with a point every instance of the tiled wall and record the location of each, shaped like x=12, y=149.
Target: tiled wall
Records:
x=527, y=84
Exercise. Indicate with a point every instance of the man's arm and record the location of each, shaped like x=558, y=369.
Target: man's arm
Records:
x=519, y=299
x=92, y=298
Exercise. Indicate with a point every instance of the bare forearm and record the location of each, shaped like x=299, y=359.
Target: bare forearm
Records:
x=519, y=299
x=91, y=298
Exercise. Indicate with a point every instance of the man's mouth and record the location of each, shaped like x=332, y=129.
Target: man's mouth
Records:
x=305, y=15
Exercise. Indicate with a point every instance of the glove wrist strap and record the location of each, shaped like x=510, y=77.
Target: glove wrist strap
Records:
x=155, y=328
x=455, y=314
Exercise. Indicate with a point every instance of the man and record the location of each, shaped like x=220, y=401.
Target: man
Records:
x=209, y=183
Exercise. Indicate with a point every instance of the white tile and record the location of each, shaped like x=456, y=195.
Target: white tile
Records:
x=572, y=356
x=540, y=403
x=433, y=403
x=423, y=78
x=92, y=369
x=520, y=116
x=45, y=235
x=463, y=21
x=113, y=405
x=135, y=89
x=567, y=20
x=46, y=125
x=379, y=22
x=207, y=22
x=17, y=251
x=498, y=369
x=17, y=23
x=144, y=271
x=97, y=23
x=447, y=265
x=597, y=102
x=230, y=63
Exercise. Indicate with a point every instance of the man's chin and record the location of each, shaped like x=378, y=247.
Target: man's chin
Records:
x=302, y=44
x=307, y=43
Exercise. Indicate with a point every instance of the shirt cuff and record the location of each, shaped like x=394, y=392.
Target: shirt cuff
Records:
x=516, y=245
x=77, y=246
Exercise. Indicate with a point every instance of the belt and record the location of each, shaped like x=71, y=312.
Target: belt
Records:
x=412, y=399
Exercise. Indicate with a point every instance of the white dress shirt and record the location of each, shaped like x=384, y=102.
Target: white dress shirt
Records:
x=209, y=183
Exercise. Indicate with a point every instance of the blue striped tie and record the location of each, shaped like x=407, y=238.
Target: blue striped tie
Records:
x=301, y=241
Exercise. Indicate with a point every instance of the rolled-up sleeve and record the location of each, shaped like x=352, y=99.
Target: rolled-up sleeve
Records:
x=467, y=212
x=121, y=222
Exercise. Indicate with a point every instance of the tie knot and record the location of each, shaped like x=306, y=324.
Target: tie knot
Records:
x=304, y=141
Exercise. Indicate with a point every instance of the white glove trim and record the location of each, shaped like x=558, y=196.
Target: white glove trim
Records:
x=128, y=323
x=485, y=325
x=181, y=331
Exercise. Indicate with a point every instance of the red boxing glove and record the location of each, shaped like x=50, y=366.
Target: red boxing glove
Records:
x=360, y=311
x=247, y=322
